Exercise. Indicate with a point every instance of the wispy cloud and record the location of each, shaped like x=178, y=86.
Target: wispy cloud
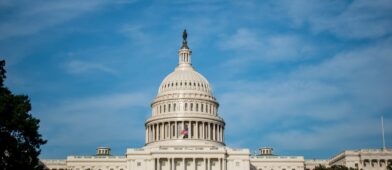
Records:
x=348, y=86
x=94, y=121
x=250, y=47
x=356, y=19
x=80, y=67
x=34, y=16
x=341, y=136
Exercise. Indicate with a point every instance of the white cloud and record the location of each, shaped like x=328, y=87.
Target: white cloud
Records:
x=351, y=86
x=77, y=67
x=343, y=135
x=93, y=121
x=253, y=47
x=31, y=17
x=357, y=19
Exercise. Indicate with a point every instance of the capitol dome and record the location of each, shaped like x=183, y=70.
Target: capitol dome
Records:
x=185, y=112
x=184, y=79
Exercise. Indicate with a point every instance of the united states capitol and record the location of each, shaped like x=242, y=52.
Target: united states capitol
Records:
x=186, y=132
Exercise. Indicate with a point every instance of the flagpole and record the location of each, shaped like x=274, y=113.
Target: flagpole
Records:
x=382, y=130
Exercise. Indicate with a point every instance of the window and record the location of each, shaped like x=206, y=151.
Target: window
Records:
x=186, y=107
x=168, y=109
x=139, y=163
x=164, y=108
x=174, y=107
x=202, y=109
x=197, y=107
x=191, y=106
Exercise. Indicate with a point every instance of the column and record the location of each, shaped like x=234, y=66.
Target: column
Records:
x=223, y=133
x=220, y=163
x=162, y=130
x=176, y=131
x=209, y=131
x=170, y=128
x=150, y=130
x=213, y=132
x=197, y=130
x=220, y=132
x=194, y=164
x=159, y=131
x=153, y=132
x=172, y=164
x=224, y=164
x=203, y=133
x=147, y=134
x=190, y=129
x=183, y=163
x=158, y=164
x=204, y=163
x=208, y=163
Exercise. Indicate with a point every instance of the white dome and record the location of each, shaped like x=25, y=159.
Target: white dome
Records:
x=184, y=79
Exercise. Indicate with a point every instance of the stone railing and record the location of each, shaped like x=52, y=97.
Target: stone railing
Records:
x=292, y=158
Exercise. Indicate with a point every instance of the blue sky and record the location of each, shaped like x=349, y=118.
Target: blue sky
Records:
x=308, y=78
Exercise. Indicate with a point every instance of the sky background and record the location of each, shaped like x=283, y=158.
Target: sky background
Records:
x=308, y=78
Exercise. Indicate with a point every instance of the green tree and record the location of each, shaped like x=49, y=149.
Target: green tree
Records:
x=20, y=140
x=389, y=167
x=320, y=167
x=339, y=167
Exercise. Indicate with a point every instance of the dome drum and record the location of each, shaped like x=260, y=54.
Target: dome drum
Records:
x=185, y=107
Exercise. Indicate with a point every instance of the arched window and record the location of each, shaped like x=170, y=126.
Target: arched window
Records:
x=174, y=107
x=186, y=107
x=169, y=107
x=197, y=107
x=202, y=108
x=207, y=108
x=160, y=109
x=164, y=108
x=191, y=106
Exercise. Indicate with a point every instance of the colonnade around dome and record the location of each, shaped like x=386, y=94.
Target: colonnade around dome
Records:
x=197, y=130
